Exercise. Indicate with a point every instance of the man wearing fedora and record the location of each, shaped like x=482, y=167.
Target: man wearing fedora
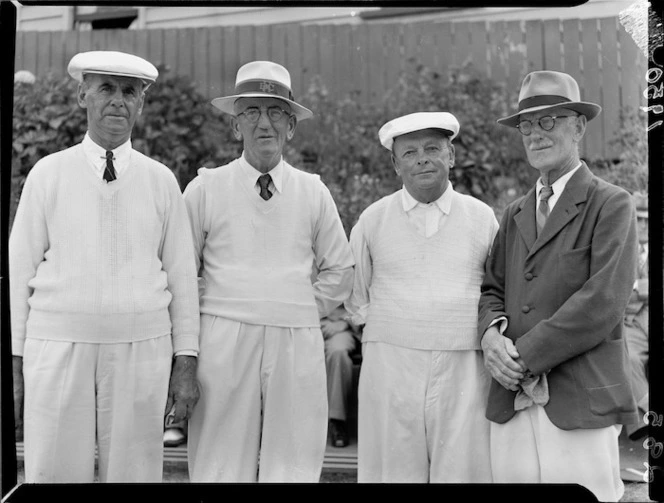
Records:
x=420, y=255
x=636, y=322
x=556, y=286
x=259, y=226
x=104, y=304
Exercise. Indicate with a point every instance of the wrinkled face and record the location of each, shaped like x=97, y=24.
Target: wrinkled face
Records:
x=113, y=104
x=551, y=150
x=264, y=139
x=423, y=160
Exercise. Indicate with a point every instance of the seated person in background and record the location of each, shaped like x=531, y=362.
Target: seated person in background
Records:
x=341, y=340
x=636, y=322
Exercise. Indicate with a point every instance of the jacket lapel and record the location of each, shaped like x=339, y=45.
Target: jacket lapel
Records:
x=575, y=192
x=525, y=219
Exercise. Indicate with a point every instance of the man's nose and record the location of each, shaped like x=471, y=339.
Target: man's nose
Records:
x=263, y=119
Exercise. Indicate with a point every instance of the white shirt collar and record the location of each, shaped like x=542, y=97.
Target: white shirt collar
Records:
x=444, y=202
x=97, y=155
x=559, y=185
x=276, y=173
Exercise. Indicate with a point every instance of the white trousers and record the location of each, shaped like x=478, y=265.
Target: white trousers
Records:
x=78, y=395
x=421, y=416
x=529, y=449
x=262, y=415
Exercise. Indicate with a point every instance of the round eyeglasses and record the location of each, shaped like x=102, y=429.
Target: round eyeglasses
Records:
x=547, y=123
x=274, y=113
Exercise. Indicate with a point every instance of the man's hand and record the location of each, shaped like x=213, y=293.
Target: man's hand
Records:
x=502, y=359
x=329, y=328
x=183, y=392
x=17, y=376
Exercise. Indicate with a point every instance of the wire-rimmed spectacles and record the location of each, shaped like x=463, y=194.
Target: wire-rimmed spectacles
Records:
x=274, y=113
x=547, y=123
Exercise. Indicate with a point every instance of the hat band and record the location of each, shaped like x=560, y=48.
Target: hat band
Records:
x=264, y=86
x=542, y=100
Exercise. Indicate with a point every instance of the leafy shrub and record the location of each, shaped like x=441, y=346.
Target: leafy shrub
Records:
x=180, y=128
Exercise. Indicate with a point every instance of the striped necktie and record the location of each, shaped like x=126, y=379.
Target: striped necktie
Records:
x=109, y=172
x=543, y=209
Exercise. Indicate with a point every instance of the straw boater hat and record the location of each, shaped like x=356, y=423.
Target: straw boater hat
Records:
x=641, y=203
x=262, y=79
x=547, y=89
x=444, y=121
x=112, y=63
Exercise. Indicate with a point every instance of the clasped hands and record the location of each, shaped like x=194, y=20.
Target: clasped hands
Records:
x=502, y=360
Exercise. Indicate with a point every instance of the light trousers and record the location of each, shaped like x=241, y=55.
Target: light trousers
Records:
x=421, y=416
x=262, y=415
x=529, y=449
x=79, y=395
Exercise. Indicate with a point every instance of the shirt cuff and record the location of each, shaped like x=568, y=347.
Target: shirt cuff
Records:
x=186, y=352
x=503, y=324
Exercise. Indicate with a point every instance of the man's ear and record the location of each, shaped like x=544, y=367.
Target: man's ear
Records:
x=395, y=165
x=235, y=127
x=80, y=95
x=452, y=155
x=141, y=102
x=580, y=127
x=292, y=124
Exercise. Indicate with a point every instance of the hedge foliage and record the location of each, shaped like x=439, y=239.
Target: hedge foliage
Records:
x=180, y=128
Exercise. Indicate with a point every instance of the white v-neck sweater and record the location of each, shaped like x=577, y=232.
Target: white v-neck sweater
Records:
x=255, y=256
x=422, y=293
x=102, y=263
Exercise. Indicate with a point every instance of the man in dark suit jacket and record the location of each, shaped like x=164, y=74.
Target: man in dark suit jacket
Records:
x=551, y=312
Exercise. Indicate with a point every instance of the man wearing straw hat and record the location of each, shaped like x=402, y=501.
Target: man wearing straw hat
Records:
x=420, y=256
x=103, y=292
x=556, y=286
x=259, y=226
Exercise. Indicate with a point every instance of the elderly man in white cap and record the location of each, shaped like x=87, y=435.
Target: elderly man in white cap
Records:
x=551, y=313
x=420, y=255
x=259, y=227
x=104, y=299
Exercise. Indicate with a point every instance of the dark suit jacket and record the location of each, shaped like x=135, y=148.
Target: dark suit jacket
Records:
x=564, y=295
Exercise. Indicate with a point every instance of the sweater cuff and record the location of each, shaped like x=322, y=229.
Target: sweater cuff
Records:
x=17, y=346
x=185, y=342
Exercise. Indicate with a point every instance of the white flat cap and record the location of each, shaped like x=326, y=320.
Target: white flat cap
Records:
x=112, y=63
x=415, y=122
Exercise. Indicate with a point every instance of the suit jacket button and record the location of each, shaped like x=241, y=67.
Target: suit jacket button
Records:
x=525, y=309
x=529, y=276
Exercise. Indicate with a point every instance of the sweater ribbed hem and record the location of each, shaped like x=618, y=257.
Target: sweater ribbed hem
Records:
x=461, y=339
x=262, y=312
x=98, y=328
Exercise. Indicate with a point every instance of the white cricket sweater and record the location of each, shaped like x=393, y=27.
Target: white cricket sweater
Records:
x=423, y=293
x=255, y=257
x=102, y=263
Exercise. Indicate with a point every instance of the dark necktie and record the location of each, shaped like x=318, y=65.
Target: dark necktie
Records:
x=543, y=210
x=264, y=181
x=109, y=172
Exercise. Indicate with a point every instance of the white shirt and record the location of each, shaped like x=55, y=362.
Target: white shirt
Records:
x=426, y=218
x=97, y=156
x=276, y=173
x=558, y=186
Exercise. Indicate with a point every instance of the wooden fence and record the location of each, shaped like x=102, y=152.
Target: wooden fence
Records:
x=367, y=59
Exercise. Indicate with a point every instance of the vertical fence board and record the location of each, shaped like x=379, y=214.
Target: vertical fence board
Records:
x=358, y=75
x=633, y=72
x=231, y=60
x=461, y=44
x=591, y=84
x=156, y=46
x=553, y=59
x=310, y=57
x=278, y=45
x=391, y=55
x=185, y=52
x=411, y=43
x=326, y=49
x=445, y=47
x=573, y=63
x=29, y=62
x=58, y=62
x=428, y=48
x=141, y=41
x=44, y=41
x=534, y=42
x=245, y=46
x=375, y=66
x=610, y=81
x=170, y=50
x=294, y=59
x=479, y=47
x=342, y=60
x=516, y=59
x=215, y=62
x=498, y=51
x=262, y=43
x=201, y=60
